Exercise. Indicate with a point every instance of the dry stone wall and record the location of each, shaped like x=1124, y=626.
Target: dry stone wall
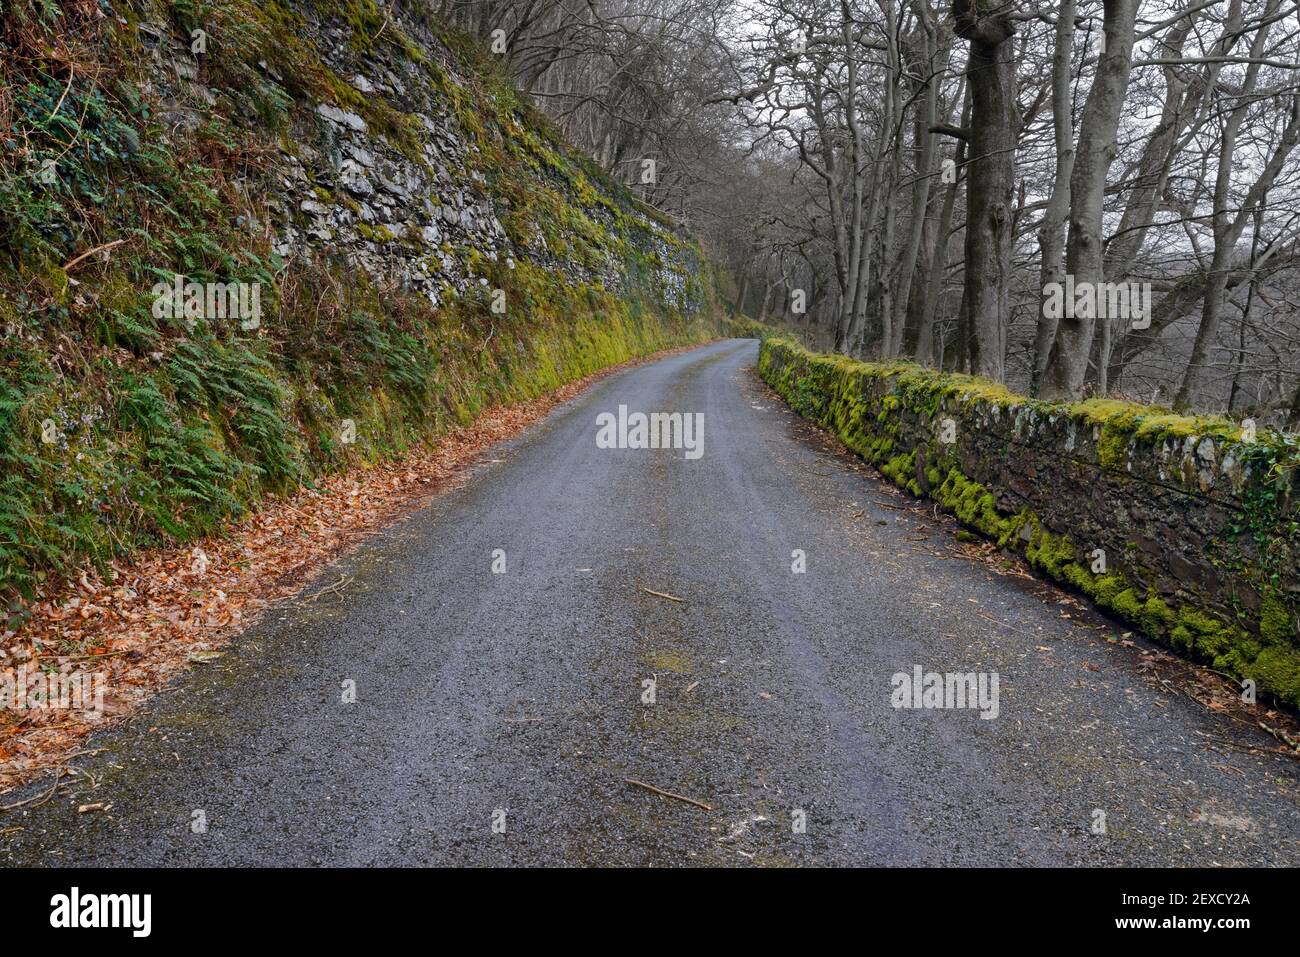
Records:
x=1186, y=527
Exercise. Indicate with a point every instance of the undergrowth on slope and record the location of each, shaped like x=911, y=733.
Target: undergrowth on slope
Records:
x=120, y=429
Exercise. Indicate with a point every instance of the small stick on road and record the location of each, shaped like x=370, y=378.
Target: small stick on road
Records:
x=662, y=595
x=46, y=795
x=667, y=794
x=331, y=590
x=1282, y=736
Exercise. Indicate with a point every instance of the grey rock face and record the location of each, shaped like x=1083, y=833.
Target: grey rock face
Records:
x=339, y=179
x=341, y=117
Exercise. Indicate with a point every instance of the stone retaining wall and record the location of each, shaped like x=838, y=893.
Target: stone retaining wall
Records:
x=1186, y=527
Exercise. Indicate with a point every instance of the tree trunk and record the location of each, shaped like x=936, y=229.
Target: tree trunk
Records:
x=990, y=180
x=1051, y=235
x=939, y=260
x=1067, y=364
x=1228, y=230
x=924, y=144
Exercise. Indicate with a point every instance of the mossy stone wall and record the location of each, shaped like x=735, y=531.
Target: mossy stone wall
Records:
x=1187, y=528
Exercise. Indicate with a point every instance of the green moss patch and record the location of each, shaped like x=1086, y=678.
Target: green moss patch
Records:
x=889, y=413
x=120, y=429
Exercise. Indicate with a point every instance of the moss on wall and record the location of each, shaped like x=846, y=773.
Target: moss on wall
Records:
x=159, y=430
x=893, y=415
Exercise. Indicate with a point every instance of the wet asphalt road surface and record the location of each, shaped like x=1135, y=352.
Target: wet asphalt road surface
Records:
x=498, y=715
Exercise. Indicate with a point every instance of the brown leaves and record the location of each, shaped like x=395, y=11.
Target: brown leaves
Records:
x=172, y=608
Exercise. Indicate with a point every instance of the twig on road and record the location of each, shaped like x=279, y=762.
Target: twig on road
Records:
x=332, y=589
x=1252, y=749
x=662, y=595
x=667, y=794
x=1282, y=736
x=1007, y=624
x=44, y=795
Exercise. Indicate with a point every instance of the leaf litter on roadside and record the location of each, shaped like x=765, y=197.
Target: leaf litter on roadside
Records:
x=145, y=620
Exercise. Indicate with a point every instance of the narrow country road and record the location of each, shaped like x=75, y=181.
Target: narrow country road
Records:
x=516, y=698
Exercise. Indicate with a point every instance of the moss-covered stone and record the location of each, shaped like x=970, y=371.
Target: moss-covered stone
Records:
x=1276, y=624
x=168, y=430
x=892, y=413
